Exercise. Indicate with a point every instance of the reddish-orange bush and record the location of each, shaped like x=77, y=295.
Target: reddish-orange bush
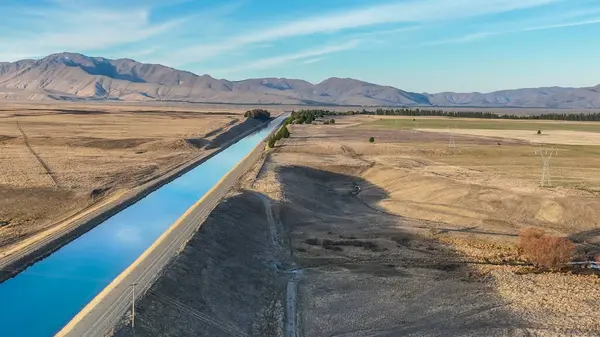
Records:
x=597, y=258
x=545, y=250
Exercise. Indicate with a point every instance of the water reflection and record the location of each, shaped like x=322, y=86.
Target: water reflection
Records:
x=43, y=298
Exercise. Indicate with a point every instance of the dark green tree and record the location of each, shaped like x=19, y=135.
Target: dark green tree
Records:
x=258, y=114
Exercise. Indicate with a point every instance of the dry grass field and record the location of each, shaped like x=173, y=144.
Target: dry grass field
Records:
x=408, y=237
x=57, y=160
x=401, y=237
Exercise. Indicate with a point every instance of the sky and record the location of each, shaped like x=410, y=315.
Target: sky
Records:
x=415, y=45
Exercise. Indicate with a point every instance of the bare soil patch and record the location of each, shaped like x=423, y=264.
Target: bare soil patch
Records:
x=225, y=282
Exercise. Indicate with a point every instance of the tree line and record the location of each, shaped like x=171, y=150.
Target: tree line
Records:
x=283, y=132
x=308, y=116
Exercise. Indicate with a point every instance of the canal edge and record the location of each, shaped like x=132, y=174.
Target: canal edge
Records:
x=77, y=319
x=11, y=265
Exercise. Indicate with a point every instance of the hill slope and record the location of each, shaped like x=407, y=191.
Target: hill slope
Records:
x=70, y=76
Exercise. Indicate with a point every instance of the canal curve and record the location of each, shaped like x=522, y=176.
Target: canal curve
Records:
x=43, y=298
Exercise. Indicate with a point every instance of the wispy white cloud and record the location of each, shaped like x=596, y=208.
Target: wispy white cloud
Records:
x=129, y=25
x=60, y=29
x=481, y=35
x=36, y=30
x=398, y=12
x=460, y=39
x=592, y=21
x=311, y=54
x=385, y=32
x=313, y=60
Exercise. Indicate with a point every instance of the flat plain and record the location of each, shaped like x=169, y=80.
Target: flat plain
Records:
x=59, y=160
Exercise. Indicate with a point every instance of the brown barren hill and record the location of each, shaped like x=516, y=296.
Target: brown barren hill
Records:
x=76, y=77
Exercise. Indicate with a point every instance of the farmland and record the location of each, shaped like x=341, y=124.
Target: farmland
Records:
x=61, y=161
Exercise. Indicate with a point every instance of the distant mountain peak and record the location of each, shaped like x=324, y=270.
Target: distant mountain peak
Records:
x=74, y=76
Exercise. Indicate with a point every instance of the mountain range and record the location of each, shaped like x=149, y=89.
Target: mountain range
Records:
x=71, y=76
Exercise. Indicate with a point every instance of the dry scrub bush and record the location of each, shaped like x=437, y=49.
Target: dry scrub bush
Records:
x=545, y=250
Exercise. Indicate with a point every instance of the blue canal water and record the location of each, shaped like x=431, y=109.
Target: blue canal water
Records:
x=44, y=297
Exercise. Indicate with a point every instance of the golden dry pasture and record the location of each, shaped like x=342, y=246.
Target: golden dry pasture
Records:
x=57, y=160
x=443, y=221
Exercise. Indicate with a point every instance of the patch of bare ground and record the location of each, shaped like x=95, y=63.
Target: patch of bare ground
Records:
x=406, y=237
x=367, y=275
x=70, y=158
x=230, y=278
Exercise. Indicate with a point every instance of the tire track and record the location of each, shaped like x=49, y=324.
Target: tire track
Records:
x=40, y=161
x=291, y=297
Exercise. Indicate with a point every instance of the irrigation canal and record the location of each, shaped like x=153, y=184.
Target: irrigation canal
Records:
x=43, y=298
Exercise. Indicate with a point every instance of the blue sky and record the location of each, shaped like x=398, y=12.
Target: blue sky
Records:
x=415, y=45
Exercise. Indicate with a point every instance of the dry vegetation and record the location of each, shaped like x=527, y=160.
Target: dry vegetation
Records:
x=57, y=160
x=445, y=222
x=545, y=250
x=402, y=237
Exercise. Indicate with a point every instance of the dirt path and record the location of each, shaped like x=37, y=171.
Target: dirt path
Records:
x=294, y=274
x=42, y=163
x=291, y=305
x=275, y=235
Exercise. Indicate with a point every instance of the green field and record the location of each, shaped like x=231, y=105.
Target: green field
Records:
x=488, y=124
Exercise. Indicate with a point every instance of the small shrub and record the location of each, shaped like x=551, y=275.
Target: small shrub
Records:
x=367, y=245
x=332, y=121
x=326, y=122
x=539, y=132
x=334, y=248
x=545, y=250
x=401, y=240
x=285, y=133
x=272, y=141
x=371, y=140
x=331, y=245
x=312, y=241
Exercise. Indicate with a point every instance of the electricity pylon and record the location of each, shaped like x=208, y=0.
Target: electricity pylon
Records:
x=451, y=142
x=546, y=155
